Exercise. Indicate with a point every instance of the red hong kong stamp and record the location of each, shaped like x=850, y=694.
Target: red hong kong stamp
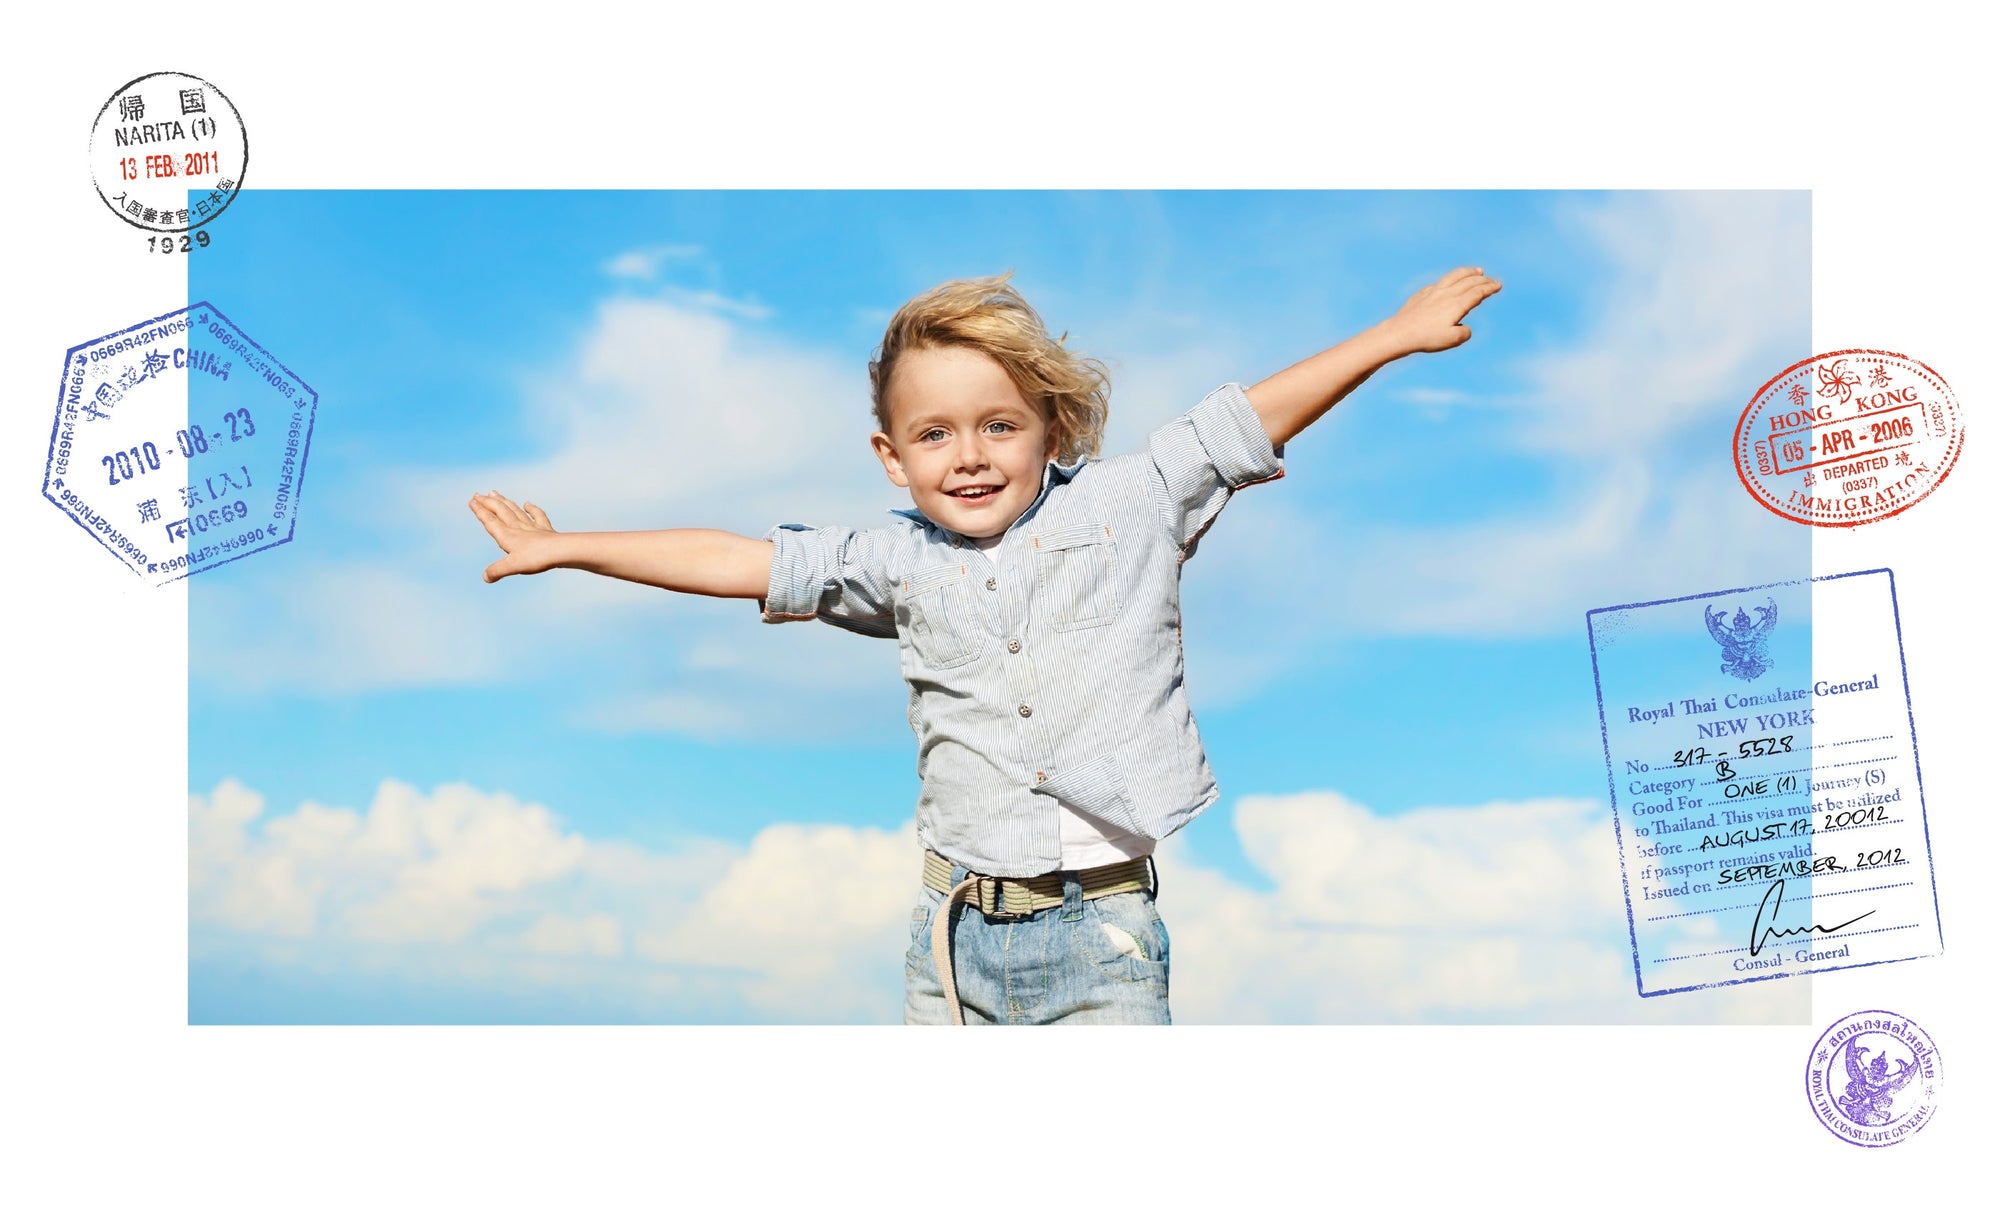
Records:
x=1847, y=438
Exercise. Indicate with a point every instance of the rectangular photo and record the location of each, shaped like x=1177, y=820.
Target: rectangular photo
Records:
x=1207, y=574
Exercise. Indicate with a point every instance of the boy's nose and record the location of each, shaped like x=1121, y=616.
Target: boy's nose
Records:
x=969, y=453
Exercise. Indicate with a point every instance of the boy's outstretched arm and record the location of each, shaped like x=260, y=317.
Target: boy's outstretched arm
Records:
x=699, y=561
x=1294, y=399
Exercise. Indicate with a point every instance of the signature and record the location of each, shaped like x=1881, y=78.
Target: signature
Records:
x=1774, y=898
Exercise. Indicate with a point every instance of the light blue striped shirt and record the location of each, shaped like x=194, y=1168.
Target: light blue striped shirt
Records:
x=1049, y=667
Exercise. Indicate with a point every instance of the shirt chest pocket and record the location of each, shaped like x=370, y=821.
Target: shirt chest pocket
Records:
x=942, y=619
x=1076, y=577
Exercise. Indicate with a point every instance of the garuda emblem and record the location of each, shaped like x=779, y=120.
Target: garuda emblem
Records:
x=1745, y=643
x=1870, y=1098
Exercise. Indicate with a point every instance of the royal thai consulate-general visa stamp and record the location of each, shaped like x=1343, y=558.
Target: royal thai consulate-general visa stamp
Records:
x=1769, y=812
x=179, y=444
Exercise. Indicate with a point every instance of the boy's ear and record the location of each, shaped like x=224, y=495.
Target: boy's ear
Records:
x=892, y=464
x=1054, y=445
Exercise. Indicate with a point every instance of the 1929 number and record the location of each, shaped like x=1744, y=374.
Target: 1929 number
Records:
x=165, y=244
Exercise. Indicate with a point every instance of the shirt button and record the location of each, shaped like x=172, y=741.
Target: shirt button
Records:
x=1040, y=777
x=1025, y=711
x=1013, y=645
x=992, y=584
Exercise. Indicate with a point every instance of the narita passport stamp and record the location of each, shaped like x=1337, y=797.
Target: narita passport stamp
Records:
x=1765, y=785
x=168, y=152
x=179, y=444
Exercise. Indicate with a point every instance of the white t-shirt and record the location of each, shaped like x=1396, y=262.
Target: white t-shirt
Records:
x=1087, y=841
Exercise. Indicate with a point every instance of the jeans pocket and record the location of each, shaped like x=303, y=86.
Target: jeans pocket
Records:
x=921, y=917
x=1076, y=570
x=1123, y=936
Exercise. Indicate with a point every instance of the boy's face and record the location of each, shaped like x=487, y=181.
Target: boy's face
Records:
x=963, y=441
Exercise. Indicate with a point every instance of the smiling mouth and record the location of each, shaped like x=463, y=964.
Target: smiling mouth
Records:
x=975, y=493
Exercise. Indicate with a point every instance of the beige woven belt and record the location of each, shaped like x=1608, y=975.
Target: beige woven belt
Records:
x=1013, y=898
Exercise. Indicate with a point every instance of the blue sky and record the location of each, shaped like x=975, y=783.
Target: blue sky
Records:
x=1392, y=633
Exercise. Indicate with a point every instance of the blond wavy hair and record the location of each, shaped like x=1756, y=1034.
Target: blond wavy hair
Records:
x=990, y=316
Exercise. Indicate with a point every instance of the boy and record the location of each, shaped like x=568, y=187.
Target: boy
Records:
x=1035, y=597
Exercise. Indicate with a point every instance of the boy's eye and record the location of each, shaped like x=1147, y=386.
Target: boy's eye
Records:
x=937, y=433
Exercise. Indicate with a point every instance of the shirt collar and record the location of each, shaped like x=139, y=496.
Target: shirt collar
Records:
x=1053, y=474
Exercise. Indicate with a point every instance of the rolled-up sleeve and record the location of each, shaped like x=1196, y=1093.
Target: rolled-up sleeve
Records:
x=835, y=574
x=1206, y=454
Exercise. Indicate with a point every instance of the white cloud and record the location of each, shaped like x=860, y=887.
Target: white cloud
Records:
x=413, y=868
x=715, y=301
x=803, y=911
x=673, y=415
x=1501, y=912
x=1504, y=912
x=1435, y=396
x=347, y=626
x=667, y=713
x=645, y=263
x=479, y=888
x=669, y=416
x=1708, y=286
x=599, y=934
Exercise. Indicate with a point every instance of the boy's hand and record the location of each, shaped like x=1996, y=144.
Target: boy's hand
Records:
x=1429, y=322
x=523, y=532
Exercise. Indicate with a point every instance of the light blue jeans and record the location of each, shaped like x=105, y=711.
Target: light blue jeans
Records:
x=1101, y=962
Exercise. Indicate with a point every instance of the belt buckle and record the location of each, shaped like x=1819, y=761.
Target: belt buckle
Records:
x=993, y=898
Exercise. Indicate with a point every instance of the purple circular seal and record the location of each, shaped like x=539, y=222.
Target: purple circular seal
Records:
x=1873, y=1078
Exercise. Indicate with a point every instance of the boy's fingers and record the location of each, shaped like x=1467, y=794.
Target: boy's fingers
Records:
x=504, y=531
x=488, y=518
x=482, y=512
x=1472, y=291
x=508, y=511
x=1473, y=301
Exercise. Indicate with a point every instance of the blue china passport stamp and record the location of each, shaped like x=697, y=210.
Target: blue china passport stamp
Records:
x=1767, y=799
x=179, y=444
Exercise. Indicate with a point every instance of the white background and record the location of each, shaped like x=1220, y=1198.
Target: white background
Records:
x=115, y=1101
